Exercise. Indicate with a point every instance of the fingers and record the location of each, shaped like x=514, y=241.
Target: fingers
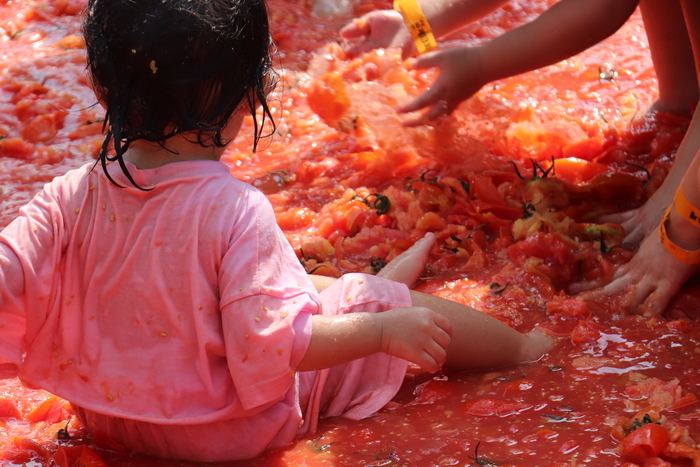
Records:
x=583, y=286
x=434, y=353
x=655, y=304
x=358, y=32
x=428, y=60
x=433, y=96
x=445, y=325
x=618, y=217
x=359, y=27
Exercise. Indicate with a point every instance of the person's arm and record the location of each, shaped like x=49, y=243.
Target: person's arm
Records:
x=653, y=277
x=386, y=28
x=416, y=334
x=564, y=30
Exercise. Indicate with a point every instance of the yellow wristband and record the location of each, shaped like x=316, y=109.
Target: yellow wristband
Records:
x=682, y=255
x=417, y=24
x=686, y=209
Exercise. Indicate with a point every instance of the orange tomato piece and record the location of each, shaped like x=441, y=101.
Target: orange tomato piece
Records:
x=577, y=170
x=40, y=128
x=8, y=409
x=328, y=98
x=17, y=148
x=585, y=149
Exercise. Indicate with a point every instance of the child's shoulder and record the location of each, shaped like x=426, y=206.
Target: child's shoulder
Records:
x=72, y=180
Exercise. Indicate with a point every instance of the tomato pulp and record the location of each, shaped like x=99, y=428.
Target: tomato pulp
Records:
x=511, y=184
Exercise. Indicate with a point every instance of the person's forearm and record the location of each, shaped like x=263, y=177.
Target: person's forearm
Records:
x=564, y=30
x=446, y=16
x=340, y=339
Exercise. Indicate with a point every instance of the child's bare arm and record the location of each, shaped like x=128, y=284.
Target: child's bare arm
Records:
x=567, y=28
x=386, y=28
x=416, y=334
x=564, y=30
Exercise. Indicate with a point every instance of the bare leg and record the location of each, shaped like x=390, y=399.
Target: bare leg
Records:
x=672, y=52
x=640, y=222
x=408, y=266
x=481, y=341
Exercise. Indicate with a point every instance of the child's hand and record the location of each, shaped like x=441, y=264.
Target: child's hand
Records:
x=375, y=30
x=416, y=334
x=461, y=76
x=650, y=280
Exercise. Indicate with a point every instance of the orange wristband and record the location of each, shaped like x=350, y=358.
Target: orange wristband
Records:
x=681, y=254
x=417, y=23
x=686, y=209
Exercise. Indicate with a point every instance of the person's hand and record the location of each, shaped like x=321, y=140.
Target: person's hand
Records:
x=375, y=30
x=643, y=221
x=649, y=281
x=416, y=334
x=461, y=76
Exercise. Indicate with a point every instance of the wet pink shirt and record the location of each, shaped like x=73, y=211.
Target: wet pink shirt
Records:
x=182, y=305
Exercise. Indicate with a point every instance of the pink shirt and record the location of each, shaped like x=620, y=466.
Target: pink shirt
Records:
x=180, y=305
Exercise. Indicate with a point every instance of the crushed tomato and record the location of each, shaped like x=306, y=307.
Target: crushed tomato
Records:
x=511, y=184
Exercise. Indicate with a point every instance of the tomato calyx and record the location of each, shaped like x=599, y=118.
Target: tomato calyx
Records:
x=645, y=420
x=535, y=168
x=629, y=246
x=646, y=171
x=481, y=460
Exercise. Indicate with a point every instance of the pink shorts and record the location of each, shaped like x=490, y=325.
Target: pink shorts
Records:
x=354, y=390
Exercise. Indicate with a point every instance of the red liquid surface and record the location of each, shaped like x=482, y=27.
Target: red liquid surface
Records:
x=508, y=245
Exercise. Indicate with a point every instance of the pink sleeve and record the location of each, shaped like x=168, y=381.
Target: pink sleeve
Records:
x=28, y=249
x=12, y=320
x=267, y=301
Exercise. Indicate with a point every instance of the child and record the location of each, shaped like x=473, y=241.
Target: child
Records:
x=564, y=30
x=159, y=296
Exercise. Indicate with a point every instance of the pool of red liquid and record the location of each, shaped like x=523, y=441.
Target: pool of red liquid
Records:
x=352, y=188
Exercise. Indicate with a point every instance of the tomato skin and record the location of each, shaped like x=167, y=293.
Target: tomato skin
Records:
x=8, y=409
x=577, y=170
x=645, y=442
x=431, y=392
x=40, y=129
x=89, y=458
x=491, y=407
x=23, y=450
x=51, y=410
x=17, y=148
x=67, y=456
x=684, y=402
x=568, y=307
x=327, y=97
x=586, y=331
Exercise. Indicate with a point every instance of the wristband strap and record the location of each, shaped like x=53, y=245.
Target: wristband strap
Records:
x=682, y=255
x=686, y=209
x=417, y=24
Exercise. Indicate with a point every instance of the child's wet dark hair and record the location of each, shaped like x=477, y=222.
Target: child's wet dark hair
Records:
x=165, y=67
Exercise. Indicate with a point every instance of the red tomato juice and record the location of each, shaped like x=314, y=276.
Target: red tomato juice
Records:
x=352, y=189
